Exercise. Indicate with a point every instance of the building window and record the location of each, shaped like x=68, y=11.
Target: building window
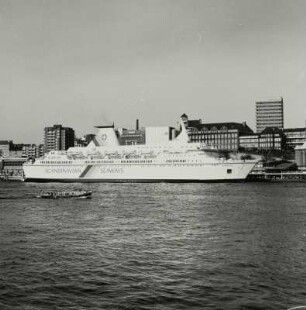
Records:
x=229, y=171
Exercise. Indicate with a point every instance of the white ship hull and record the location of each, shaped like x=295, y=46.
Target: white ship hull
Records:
x=139, y=173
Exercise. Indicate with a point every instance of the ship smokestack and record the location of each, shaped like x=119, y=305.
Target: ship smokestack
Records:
x=137, y=124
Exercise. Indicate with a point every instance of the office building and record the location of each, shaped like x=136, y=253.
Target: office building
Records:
x=269, y=113
x=58, y=138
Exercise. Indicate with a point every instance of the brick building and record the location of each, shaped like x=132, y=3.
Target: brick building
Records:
x=223, y=136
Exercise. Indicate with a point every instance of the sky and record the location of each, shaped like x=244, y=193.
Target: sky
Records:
x=82, y=63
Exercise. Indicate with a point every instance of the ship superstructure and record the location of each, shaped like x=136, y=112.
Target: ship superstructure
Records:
x=104, y=160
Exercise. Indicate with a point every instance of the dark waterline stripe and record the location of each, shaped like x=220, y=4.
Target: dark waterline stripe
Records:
x=131, y=180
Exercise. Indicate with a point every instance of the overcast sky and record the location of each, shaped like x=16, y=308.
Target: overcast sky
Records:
x=83, y=63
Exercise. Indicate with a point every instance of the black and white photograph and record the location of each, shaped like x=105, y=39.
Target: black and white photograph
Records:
x=152, y=154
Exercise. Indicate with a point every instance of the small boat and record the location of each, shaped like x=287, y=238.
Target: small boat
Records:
x=65, y=194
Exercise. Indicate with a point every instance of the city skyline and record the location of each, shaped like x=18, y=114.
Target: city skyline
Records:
x=83, y=64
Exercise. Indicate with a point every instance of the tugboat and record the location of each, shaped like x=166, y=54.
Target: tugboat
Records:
x=65, y=194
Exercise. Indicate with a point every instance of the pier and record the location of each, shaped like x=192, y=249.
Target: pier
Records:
x=277, y=176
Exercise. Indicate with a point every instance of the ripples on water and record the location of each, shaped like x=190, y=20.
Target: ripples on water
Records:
x=154, y=246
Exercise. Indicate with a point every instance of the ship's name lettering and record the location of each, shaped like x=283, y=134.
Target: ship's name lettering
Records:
x=63, y=170
x=111, y=170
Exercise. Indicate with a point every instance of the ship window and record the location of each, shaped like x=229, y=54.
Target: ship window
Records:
x=229, y=171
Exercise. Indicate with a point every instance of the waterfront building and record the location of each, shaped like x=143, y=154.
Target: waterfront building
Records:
x=249, y=142
x=300, y=156
x=223, y=136
x=269, y=113
x=4, y=148
x=58, y=138
x=271, y=138
x=295, y=137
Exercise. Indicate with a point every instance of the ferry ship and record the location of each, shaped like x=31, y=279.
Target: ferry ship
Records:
x=105, y=160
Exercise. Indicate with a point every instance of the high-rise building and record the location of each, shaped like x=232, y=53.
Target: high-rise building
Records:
x=269, y=113
x=58, y=138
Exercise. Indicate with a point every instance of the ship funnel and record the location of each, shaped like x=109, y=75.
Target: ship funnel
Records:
x=105, y=137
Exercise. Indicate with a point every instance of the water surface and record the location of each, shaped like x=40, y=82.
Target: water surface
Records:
x=154, y=246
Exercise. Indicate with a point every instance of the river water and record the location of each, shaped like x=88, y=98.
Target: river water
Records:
x=154, y=246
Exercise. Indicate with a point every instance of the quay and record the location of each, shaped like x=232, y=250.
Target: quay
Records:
x=277, y=176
